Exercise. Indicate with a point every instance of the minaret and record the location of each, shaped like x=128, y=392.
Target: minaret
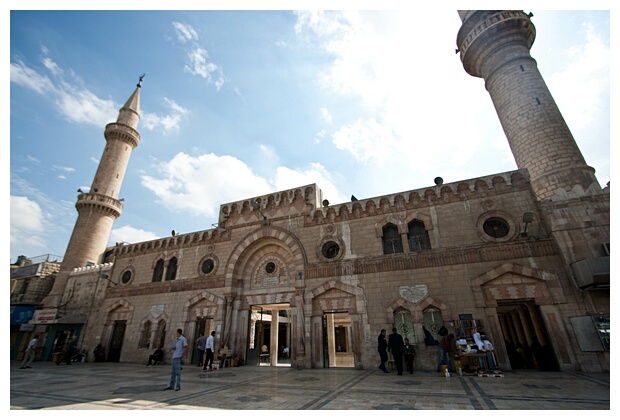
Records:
x=495, y=45
x=98, y=208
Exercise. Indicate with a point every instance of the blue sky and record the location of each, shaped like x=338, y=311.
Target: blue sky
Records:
x=241, y=103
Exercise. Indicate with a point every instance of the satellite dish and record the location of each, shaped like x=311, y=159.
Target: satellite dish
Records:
x=174, y=232
x=325, y=203
x=438, y=180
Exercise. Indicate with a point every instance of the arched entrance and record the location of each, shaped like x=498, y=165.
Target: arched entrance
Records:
x=520, y=306
x=337, y=317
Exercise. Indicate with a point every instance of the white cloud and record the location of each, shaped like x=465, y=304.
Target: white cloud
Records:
x=326, y=115
x=130, y=235
x=27, y=77
x=51, y=65
x=200, y=66
x=185, y=32
x=169, y=123
x=198, y=57
x=200, y=184
x=77, y=104
x=287, y=178
x=586, y=76
x=26, y=214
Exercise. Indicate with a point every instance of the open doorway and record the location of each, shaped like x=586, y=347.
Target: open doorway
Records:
x=337, y=340
x=269, y=341
x=204, y=326
x=525, y=336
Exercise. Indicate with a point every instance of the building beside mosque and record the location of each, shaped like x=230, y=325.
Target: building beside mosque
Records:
x=522, y=256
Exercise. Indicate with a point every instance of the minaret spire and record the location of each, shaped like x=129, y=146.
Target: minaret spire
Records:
x=98, y=208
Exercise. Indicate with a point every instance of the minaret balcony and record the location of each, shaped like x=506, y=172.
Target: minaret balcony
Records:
x=122, y=132
x=100, y=202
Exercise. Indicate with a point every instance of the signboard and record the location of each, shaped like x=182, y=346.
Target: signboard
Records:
x=270, y=281
x=45, y=316
x=22, y=314
x=465, y=317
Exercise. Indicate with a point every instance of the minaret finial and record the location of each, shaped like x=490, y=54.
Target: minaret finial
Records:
x=140, y=81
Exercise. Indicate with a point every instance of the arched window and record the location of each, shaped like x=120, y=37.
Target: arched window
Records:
x=145, y=337
x=404, y=325
x=158, y=273
x=433, y=321
x=418, y=236
x=392, y=242
x=171, y=272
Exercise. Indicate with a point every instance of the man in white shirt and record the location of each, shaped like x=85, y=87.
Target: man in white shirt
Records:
x=209, y=352
x=30, y=353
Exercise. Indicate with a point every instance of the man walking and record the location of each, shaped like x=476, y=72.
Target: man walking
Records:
x=209, y=352
x=30, y=353
x=395, y=345
x=382, y=348
x=201, y=345
x=180, y=352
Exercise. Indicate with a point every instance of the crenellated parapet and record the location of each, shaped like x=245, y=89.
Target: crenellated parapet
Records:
x=293, y=202
x=203, y=237
x=95, y=268
x=425, y=197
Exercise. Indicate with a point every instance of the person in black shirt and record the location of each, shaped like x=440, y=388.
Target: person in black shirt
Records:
x=395, y=345
x=409, y=353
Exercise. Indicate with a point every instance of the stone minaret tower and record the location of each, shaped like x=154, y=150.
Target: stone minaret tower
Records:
x=495, y=45
x=98, y=208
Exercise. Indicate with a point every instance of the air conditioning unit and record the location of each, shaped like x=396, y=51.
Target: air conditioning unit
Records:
x=606, y=248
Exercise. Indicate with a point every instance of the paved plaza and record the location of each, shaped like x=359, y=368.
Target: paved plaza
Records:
x=121, y=386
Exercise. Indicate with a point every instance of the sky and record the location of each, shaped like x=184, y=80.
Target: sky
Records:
x=243, y=102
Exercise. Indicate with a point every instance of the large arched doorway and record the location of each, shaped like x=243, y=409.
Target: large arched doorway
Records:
x=526, y=340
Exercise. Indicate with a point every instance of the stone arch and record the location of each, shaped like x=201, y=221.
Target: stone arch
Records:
x=511, y=281
x=120, y=310
x=241, y=255
x=423, y=217
x=204, y=304
x=345, y=296
x=417, y=308
x=402, y=227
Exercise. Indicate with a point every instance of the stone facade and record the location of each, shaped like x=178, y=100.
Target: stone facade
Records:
x=519, y=254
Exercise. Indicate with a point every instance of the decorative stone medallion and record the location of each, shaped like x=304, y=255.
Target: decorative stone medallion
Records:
x=157, y=310
x=413, y=293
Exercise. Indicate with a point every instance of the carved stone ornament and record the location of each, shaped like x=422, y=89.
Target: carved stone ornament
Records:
x=414, y=293
x=157, y=310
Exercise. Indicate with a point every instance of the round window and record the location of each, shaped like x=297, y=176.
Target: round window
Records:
x=207, y=266
x=496, y=227
x=330, y=249
x=270, y=267
x=126, y=277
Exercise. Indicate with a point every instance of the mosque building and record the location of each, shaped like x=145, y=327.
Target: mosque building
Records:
x=521, y=256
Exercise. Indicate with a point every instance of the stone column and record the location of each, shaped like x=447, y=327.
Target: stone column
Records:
x=273, y=340
x=527, y=332
x=538, y=325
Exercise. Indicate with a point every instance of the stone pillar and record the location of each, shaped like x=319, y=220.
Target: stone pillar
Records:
x=273, y=340
x=518, y=328
x=527, y=332
x=537, y=323
x=331, y=339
